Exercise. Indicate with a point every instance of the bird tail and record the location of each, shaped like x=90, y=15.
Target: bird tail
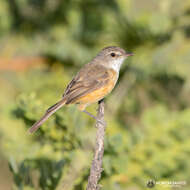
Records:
x=48, y=113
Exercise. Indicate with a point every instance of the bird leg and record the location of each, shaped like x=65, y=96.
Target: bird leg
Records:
x=94, y=117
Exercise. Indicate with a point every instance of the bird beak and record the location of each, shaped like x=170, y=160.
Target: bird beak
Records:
x=128, y=54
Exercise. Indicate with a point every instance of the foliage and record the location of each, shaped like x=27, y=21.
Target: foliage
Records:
x=148, y=125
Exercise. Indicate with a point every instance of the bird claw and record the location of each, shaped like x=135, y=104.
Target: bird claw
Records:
x=97, y=120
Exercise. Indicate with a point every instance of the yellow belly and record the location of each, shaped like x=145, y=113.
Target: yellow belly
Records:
x=97, y=94
x=100, y=93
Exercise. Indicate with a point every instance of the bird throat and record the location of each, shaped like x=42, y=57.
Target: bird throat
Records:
x=116, y=64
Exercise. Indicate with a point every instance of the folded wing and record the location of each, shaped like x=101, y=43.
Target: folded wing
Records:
x=89, y=78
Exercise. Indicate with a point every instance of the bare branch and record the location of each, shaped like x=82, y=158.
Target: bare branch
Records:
x=96, y=168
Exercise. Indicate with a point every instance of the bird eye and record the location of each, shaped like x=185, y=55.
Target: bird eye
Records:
x=113, y=54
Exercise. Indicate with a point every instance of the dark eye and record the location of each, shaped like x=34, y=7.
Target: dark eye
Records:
x=113, y=54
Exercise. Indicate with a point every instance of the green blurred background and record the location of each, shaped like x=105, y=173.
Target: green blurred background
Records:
x=43, y=43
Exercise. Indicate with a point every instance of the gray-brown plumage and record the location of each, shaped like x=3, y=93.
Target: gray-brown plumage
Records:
x=91, y=77
x=95, y=80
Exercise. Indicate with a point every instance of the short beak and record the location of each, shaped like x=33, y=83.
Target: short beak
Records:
x=128, y=54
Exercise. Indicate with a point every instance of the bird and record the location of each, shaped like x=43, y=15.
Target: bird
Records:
x=91, y=84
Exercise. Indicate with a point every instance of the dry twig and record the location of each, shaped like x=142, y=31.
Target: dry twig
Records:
x=96, y=168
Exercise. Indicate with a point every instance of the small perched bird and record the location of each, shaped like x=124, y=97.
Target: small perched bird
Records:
x=92, y=83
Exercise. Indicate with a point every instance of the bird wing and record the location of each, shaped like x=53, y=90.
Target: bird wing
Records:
x=91, y=77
